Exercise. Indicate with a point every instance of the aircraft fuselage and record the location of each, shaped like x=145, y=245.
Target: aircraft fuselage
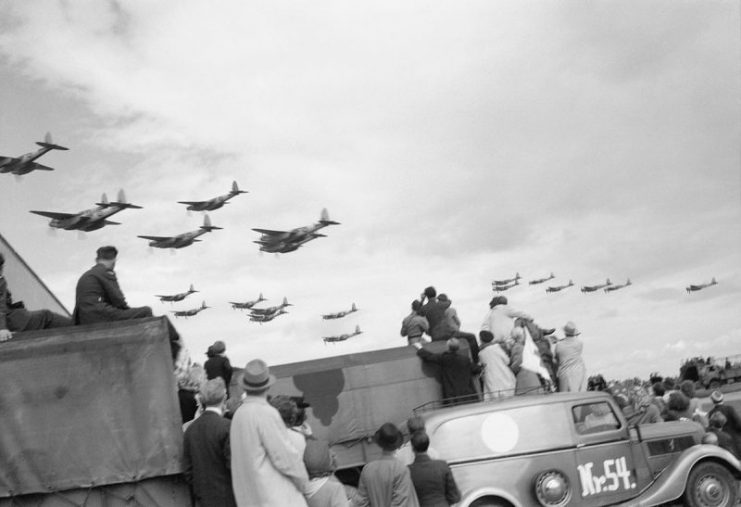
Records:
x=21, y=165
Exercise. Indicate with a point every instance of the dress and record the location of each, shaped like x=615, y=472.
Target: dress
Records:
x=267, y=471
x=206, y=460
x=456, y=374
x=572, y=374
x=99, y=298
x=499, y=381
x=433, y=482
x=500, y=321
x=14, y=317
x=386, y=482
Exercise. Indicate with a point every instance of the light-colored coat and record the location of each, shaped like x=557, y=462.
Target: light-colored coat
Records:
x=499, y=381
x=572, y=373
x=267, y=470
x=500, y=321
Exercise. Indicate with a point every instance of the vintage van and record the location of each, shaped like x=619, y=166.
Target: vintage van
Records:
x=576, y=449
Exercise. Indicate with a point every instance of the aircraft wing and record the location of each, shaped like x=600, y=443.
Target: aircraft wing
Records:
x=54, y=214
x=7, y=160
x=193, y=203
x=156, y=238
x=39, y=167
x=269, y=232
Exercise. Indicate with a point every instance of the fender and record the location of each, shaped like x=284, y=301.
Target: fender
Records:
x=470, y=497
x=671, y=483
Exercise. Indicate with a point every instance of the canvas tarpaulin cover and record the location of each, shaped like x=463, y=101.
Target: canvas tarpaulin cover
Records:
x=87, y=406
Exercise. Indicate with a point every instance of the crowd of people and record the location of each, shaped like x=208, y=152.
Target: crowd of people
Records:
x=265, y=453
x=514, y=355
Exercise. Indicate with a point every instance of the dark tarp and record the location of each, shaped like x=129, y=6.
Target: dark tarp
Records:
x=87, y=406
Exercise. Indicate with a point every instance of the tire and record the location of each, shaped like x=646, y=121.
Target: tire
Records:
x=710, y=485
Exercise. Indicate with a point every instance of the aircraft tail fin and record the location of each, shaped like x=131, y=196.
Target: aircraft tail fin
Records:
x=103, y=201
x=207, y=224
x=235, y=189
x=354, y=308
x=191, y=289
x=48, y=143
x=285, y=302
x=713, y=281
x=608, y=282
x=357, y=330
x=324, y=218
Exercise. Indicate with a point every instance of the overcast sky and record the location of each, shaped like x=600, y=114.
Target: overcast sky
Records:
x=456, y=142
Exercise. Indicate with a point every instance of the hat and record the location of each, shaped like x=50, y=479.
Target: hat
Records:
x=256, y=376
x=716, y=397
x=213, y=391
x=286, y=407
x=570, y=329
x=442, y=297
x=218, y=347
x=388, y=437
x=317, y=458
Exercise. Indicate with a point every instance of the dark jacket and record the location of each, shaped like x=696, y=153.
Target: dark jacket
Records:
x=433, y=482
x=98, y=298
x=733, y=422
x=456, y=373
x=434, y=312
x=206, y=461
x=12, y=316
x=218, y=366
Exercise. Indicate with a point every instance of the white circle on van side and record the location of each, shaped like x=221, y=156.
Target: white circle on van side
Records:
x=500, y=432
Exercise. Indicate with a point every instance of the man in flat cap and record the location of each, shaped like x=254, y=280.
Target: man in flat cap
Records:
x=15, y=317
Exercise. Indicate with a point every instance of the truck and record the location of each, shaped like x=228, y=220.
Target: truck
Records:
x=711, y=372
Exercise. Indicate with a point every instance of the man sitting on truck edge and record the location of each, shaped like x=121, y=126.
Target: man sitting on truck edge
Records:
x=15, y=317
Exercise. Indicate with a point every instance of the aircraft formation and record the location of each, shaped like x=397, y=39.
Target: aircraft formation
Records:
x=263, y=315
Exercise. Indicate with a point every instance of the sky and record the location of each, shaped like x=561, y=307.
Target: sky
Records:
x=456, y=143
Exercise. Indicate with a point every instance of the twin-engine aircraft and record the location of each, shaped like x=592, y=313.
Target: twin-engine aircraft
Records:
x=25, y=163
x=270, y=309
x=541, y=280
x=560, y=287
x=267, y=317
x=89, y=219
x=288, y=241
x=618, y=286
x=181, y=240
x=342, y=337
x=502, y=287
x=507, y=281
x=593, y=288
x=191, y=312
x=247, y=304
x=214, y=203
x=177, y=297
x=339, y=315
x=693, y=288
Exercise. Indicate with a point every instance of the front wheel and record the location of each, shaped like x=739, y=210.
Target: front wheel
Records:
x=710, y=485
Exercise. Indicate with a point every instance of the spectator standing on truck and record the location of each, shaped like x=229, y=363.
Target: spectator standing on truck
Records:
x=386, y=481
x=98, y=297
x=434, y=312
x=15, y=317
x=572, y=373
x=433, y=481
x=500, y=320
x=733, y=421
x=206, y=450
x=456, y=372
x=497, y=378
x=530, y=374
x=266, y=469
x=414, y=325
x=218, y=365
x=453, y=327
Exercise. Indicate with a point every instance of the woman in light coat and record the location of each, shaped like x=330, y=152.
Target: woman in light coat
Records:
x=572, y=373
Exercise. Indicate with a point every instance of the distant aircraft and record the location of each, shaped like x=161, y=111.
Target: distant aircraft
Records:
x=507, y=281
x=342, y=337
x=693, y=288
x=89, y=219
x=501, y=288
x=247, y=304
x=177, y=297
x=191, y=312
x=25, y=163
x=560, y=287
x=592, y=288
x=216, y=202
x=541, y=280
x=267, y=317
x=181, y=240
x=289, y=241
x=271, y=309
x=339, y=315
x=619, y=286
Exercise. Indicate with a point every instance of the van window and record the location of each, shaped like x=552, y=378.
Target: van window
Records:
x=595, y=417
x=504, y=432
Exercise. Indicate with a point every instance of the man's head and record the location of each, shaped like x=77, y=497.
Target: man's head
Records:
x=416, y=305
x=716, y=397
x=486, y=336
x=415, y=424
x=497, y=300
x=256, y=378
x=430, y=292
x=213, y=392
x=718, y=420
x=658, y=388
x=420, y=442
x=388, y=437
x=106, y=255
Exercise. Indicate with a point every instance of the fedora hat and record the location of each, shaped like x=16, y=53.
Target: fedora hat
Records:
x=716, y=396
x=256, y=376
x=388, y=437
x=570, y=329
